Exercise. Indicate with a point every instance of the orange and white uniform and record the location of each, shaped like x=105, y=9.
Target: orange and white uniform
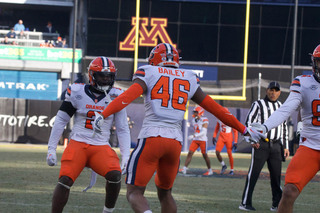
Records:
x=225, y=138
x=168, y=90
x=305, y=90
x=84, y=149
x=200, y=138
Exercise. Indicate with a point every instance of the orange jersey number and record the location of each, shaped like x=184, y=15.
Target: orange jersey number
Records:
x=179, y=98
x=316, y=112
x=88, y=124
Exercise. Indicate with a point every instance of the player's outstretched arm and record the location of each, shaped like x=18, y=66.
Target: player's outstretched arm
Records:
x=123, y=100
x=133, y=92
x=225, y=116
x=217, y=110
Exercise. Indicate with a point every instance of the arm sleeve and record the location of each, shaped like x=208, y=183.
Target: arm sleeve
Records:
x=222, y=114
x=282, y=114
x=203, y=132
x=123, y=100
x=216, y=130
x=123, y=133
x=61, y=120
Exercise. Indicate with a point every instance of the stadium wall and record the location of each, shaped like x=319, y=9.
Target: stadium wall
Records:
x=31, y=121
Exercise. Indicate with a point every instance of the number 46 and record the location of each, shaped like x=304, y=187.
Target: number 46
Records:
x=161, y=91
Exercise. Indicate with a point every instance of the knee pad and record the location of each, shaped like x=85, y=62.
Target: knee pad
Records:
x=65, y=181
x=113, y=176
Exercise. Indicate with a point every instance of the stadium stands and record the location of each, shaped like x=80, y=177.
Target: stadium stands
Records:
x=32, y=39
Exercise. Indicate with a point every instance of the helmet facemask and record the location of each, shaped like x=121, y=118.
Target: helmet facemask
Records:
x=102, y=73
x=196, y=115
x=103, y=81
x=315, y=58
x=315, y=67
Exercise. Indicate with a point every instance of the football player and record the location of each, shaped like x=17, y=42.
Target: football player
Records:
x=199, y=139
x=304, y=93
x=84, y=102
x=167, y=89
x=225, y=139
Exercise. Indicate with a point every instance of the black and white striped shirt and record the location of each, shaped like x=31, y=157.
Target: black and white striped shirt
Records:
x=260, y=111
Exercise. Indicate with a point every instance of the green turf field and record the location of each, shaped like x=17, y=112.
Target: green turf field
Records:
x=27, y=184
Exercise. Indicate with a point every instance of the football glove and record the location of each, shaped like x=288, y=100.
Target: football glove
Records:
x=190, y=137
x=97, y=123
x=260, y=127
x=123, y=166
x=51, y=158
x=299, y=128
x=235, y=146
x=93, y=180
x=254, y=135
x=214, y=141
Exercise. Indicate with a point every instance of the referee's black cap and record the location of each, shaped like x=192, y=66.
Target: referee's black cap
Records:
x=274, y=84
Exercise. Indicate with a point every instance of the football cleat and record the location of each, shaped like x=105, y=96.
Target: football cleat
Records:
x=223, y=169
x=183, y=170
x=209, y=172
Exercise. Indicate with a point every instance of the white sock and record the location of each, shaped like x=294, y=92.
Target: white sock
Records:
x=107, y=210
x=148, y=211
x=231, y=169
x=184, y=168
x=222, y=163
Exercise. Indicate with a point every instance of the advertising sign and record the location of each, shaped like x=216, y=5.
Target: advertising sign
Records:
x=29, y=85
x=39, y=54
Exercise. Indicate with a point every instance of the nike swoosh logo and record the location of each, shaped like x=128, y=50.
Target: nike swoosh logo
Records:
x=124, y=103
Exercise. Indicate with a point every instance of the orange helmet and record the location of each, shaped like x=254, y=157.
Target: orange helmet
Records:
x=314, y=58
x=198, y=110
x=102, y=73
x=165, y=55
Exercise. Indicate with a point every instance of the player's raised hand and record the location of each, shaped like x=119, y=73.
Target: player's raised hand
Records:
x=51, y=158
x=254, y=134
x=97, y=123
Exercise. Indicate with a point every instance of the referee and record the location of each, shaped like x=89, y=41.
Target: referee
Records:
x=272, y=152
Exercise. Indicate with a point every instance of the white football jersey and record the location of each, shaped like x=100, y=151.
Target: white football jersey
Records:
x=309, y=90
x=86, y=103
x=305, y=94
x=168, y=91
x=198, y=126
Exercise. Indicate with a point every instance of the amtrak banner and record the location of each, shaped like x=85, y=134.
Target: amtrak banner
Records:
x=29, y=85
